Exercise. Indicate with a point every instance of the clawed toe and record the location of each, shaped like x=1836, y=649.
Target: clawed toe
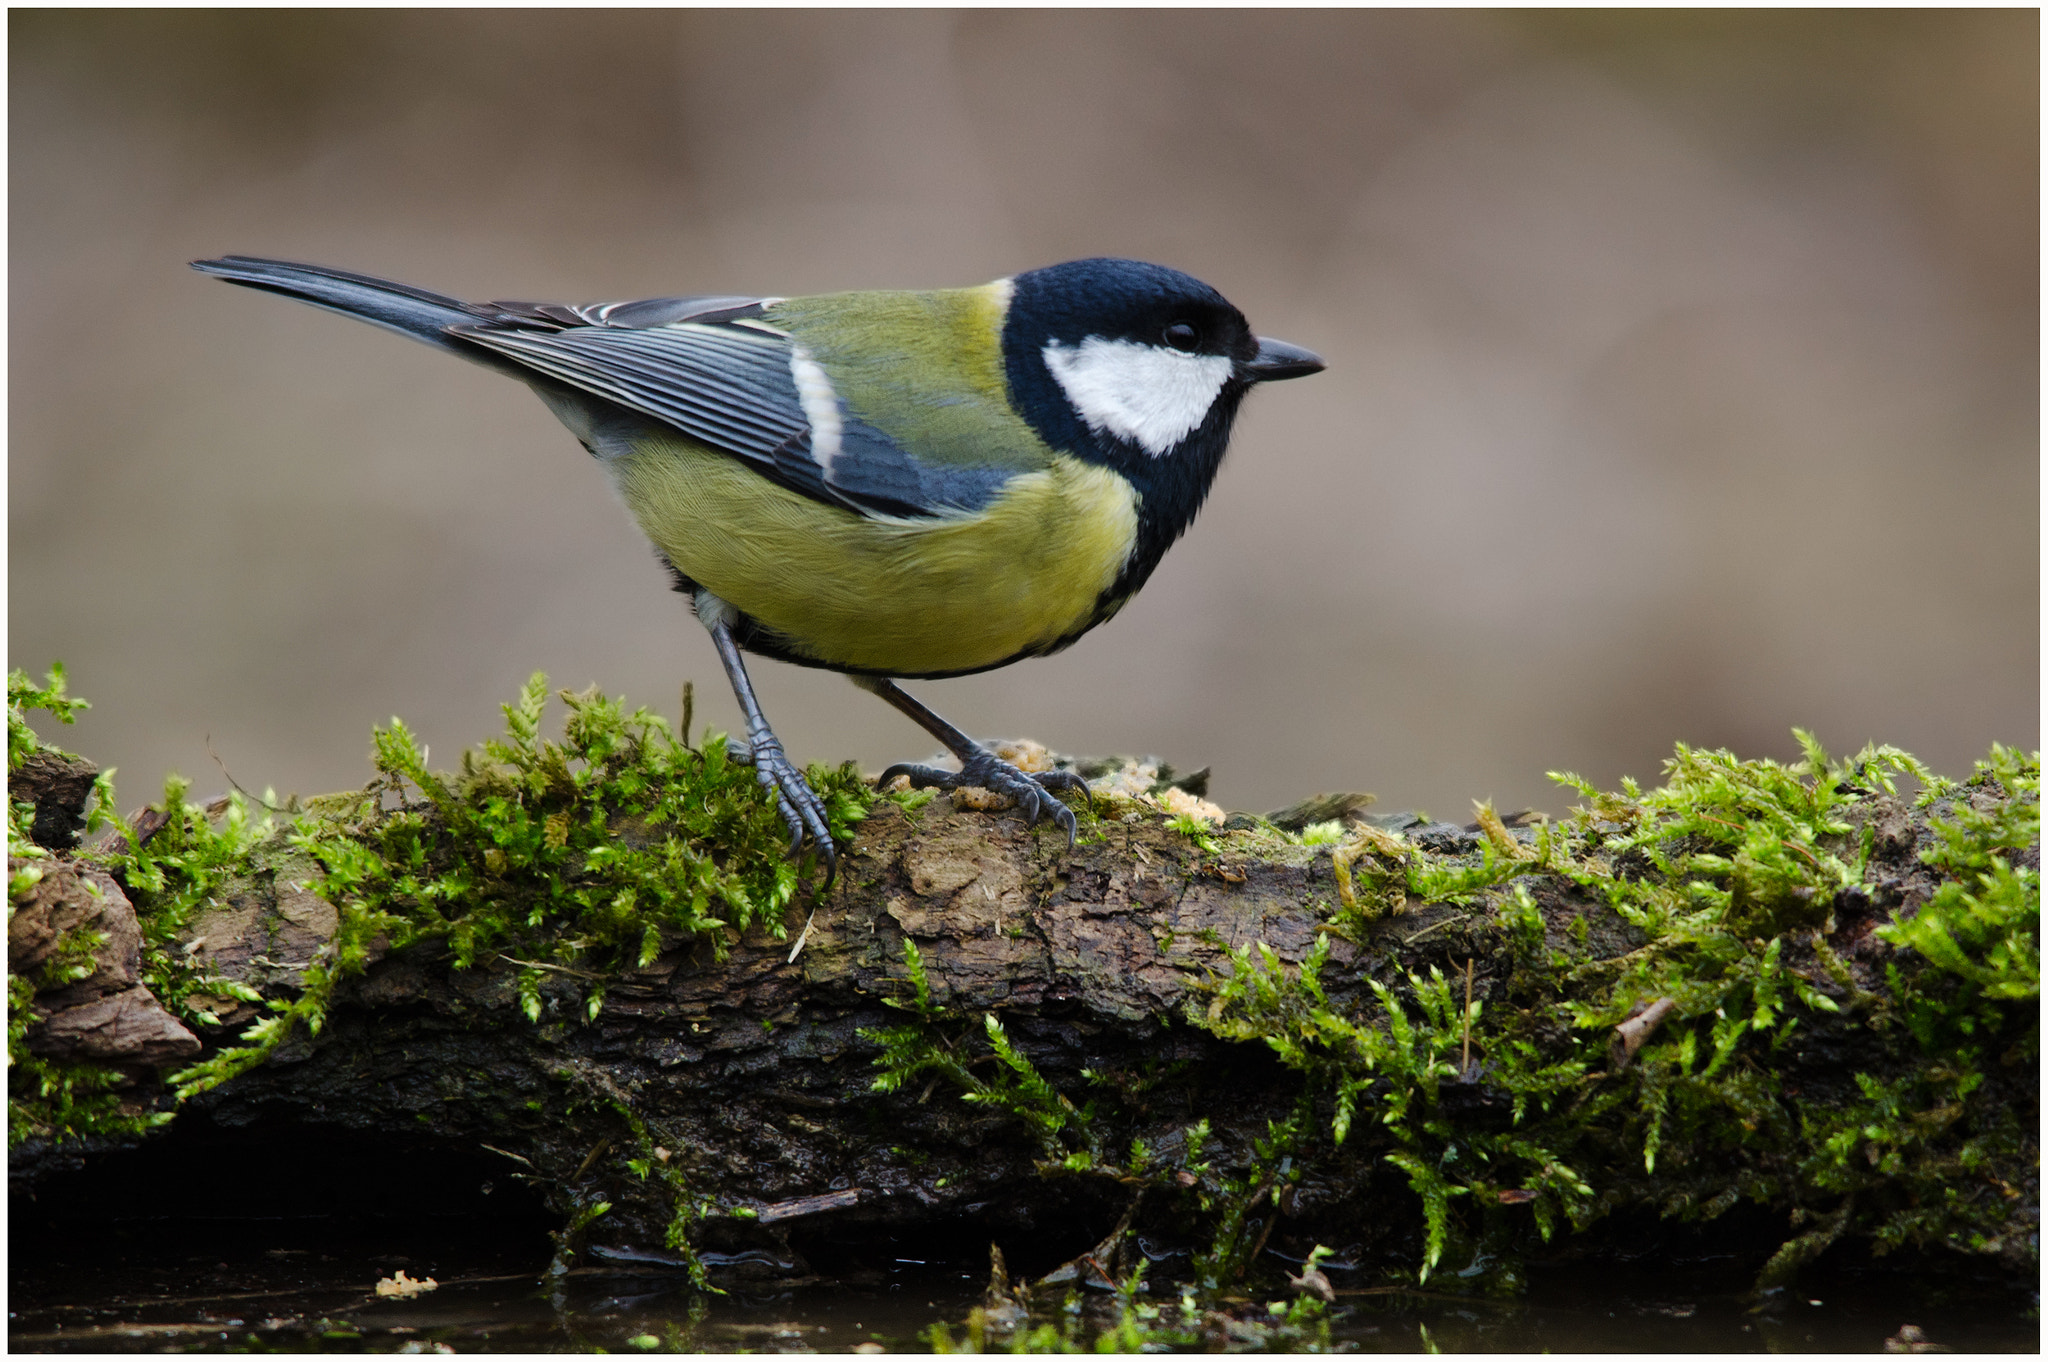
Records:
x=920, y=777
x=1032, y=791
x=1064, y=780
x=803, y=813
x=1041, y=803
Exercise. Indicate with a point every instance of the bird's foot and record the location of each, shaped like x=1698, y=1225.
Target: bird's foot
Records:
x=1032, y=791
x=803, y=813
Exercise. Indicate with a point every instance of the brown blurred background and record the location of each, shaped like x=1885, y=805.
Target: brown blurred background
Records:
x=1683, y=370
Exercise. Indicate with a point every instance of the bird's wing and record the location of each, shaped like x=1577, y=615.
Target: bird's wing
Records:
x=714, y=370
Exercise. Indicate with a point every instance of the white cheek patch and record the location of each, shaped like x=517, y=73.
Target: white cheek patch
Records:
x=1147, y=394
x=821, y=406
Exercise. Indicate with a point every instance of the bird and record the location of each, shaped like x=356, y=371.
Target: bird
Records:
x=890, y=484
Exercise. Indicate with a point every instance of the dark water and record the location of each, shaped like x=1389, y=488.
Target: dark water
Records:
x=306, y=1285
x=254, y=1240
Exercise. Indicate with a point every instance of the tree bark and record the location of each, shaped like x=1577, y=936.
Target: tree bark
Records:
x=732, y=1081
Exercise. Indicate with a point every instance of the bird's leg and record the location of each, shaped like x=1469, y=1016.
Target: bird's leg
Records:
x=802, y=811
x=978, y=765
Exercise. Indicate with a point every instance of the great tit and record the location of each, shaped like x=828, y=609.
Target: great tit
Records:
x=885, y=484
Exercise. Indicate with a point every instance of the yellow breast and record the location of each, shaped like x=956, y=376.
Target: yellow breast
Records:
x=901, y=597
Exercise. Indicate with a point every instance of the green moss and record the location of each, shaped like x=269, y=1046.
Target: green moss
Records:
x=1711, y=896
x=1724, y=874
x=576, y=858
x=1981, y=928
x=936, y=1041
x=1392, y=1069
x=687, y=1207
x=50, y=1099
x=570, y=861
x=1195, y=829
x=189, y=865
x=47, y=1098
x=58, y=1101
x=24, y=696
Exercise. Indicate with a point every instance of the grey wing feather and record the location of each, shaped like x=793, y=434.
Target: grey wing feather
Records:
x=643, y=312
x=703, y=385
x=708, y=366
x=705, y=370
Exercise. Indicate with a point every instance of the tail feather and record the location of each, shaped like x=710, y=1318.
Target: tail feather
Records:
x=409, y=311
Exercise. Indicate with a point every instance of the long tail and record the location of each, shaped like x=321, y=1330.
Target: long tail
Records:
x=409, y=311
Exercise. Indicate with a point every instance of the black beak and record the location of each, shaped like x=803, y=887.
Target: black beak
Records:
x=1277, y=360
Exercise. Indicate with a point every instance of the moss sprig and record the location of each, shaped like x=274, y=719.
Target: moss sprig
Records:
x=580, y=857
x=934, y=1042
x=51, y=698
x=48, y=1098
x=1728, y=875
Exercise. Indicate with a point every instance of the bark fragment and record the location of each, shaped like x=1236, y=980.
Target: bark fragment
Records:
x=108, y=1016
x=124, y=1029
x=58, y=784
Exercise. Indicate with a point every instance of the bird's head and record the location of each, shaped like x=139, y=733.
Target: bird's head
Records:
x=1134, y=365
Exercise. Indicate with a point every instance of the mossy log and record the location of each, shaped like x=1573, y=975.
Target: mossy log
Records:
x=1230, y=1040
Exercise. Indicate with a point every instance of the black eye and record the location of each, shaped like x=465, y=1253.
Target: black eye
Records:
x=1182, y=336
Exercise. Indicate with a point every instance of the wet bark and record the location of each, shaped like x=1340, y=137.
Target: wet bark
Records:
x=94, y=1008
x=750, y=1073
x=736, y=1073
